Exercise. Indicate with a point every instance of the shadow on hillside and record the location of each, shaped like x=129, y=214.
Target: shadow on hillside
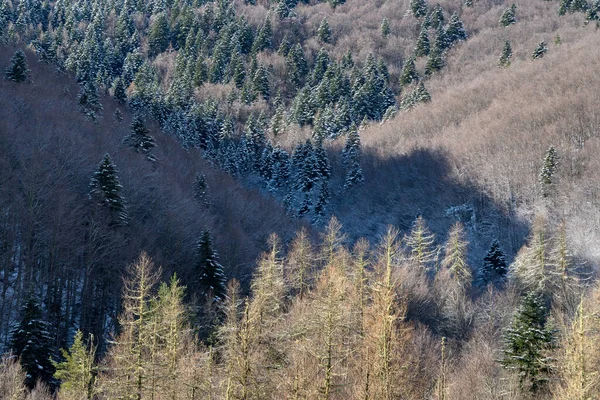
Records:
x=398, y=189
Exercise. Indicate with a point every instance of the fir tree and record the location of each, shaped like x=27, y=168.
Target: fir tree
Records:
x=32, y=343
x=261, y=82
x=201, y=190
x=592, y=13
x=119, y=92
x=385, y=27
x=437, y=17
x=105, y=189
x=210, y=273
x=77, y=373
x=494, y=267
x=505, y=57
x=140, y=139
x=409, y=72
x=423, y=46
x=418, y=8
x=89, y=99
x=158, y=36
x=264, y=37
x=18, y=70
x=435, y=61
x=455, y=31
x=324, y=31
x=508, y=16
x=539, y=51
x=351, y=156
x=527, y=342
x=548, y=170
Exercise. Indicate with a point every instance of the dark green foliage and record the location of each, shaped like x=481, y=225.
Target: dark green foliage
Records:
x=539, y=51
x=417, y=96
x=89, y=99
x=437, y=19
x=210, y=274
x=119, y=92
x=592, y=13
x=264, y=37
x=572, y=6
x=159, y=35
x=494, y=267
x=324, y=31
x=506, y=55
x=527, y=343
x=351, y=157
x=547, y=174
x=409, y=72
x=508, y=16
x=17, y=71
x=297, y=65
x=385, y=27
x=418, y=8
x=261, y=82
x=140, y=139
x=32, y=343
x=455, y=31
x=105, y=189
x=423, y=46
x=435, y=62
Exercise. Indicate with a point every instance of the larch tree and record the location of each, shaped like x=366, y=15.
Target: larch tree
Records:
x=300, y=265
x=531, y=269
x=421, y=245
x=455, y=258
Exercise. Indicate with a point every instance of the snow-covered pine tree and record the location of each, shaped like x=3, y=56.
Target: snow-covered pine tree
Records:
x=409, y=72
x=140, y=139
x=385, y=27
x=455, y=31
x=158, y=36
x=17, y=71
x=32, y=343
x=505, y=57
x=508, y=16
x=418, y=8
x=548, y=171
x=324, y=31
x=527, y=342
x=210, y=273
x=89, y=99
x=540, y=50
x=201, y=190
x=105, y=188
x=437, y=17
x=494, y=267
x=351, y=159
x=422, y=46
x=593, y=11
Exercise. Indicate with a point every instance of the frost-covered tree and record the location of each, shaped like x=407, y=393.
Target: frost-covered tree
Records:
x=140, y=139
x=494, y=267
x=409, y=72
x=261, y=82
x=437, y=17
x=32, y=343
x=539, y=51
x=417, y=96
x=572, y=6
x=506, y=55
x=210, y=273
x=351, y=156
x=158, y=36
x=527, y=342
x=508, y=16
x=422, y=46
x=105, y=189
x=418, y=8
x=324, y=31
x=455, y=258
x=385, y=27
x=593, y=11
x=455, y=31
x=435, y=61
x=17, y=71
x=547, y=174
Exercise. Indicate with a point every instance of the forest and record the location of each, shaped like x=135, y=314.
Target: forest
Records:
x=299, y=199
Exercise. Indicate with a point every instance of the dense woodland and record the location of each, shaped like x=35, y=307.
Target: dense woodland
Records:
x=206, y=199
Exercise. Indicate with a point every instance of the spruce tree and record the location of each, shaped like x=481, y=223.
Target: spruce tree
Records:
x=508, y=16
x=505, y=57
x=89, y=99
x=527, y=343
x=77, y=373
x=385, y=27
x=418, y=8
x=119, y=92
x=435, y=61
x=423, y=46
x=158, y=36
x=351, y=156
x=437, y=17
x=140, y=139
x=210, y=273
x=409, y=72
x=548, y=170
x=592, y=13
x=324, y=31
x=261, y=82
x=32, y=343
x=455, y=31
x=201, y=190
x=539, y=51
x=18, y=70
x=494, y=267
x=105, y=189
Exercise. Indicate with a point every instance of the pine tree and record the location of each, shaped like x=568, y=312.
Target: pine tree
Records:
x=351, y=156
x=506, y=55
x=572, y=6
x=210, y=273
x=435, y=62
x=201, y=190
x=119, y=92
x=409, y=72
x=140, y=139
x=527, y=342
x=418, y=8
x=158, y=36
x=32, y=343
x=105, y=189
x=437, y=17
x=423, y=46
x=539, y=51
x=89, y=99
x=547, y=174
x=324, y=31
x=385, y=27
x=264, y=37
x=508, y=16
x=261, y=82
x=494, y=267
x=455, y=31
x=18, y=70
x=77, y=373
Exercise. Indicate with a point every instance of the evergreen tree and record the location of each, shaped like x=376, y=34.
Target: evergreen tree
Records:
x=17, y=71
x=437, y=17
x=494, y=268
x=351, y=156
x=572, y=6
x=201, y=190
x=435, y=61
x=506, y=55
x=119, y=92
x=105, y=189
x=261, y=82
x=539, y=51
x=548, y=171
x=508, y=16
x=77, y=372
x=32, y=343
x=140, y=139
x=210, y=273
x=418, y=8
x=264, y=37
x=592, y=13
x=324, y=31
x=455, y=31
x=422, y=47
x=409, y=72
x=385, y=27
x=527, y=342
x=158, y=36
x=89, y=99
